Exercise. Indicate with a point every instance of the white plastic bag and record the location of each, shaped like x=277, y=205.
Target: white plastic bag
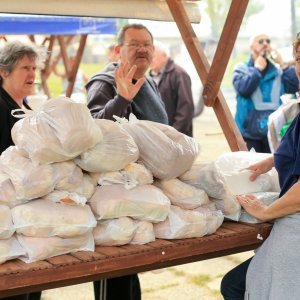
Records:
x=132, y=175
x=114, y=232
x=66, y=197
x=116, y=150
x=214, y=217
x=182, y=194
x=143, y=233
x=59, y=130
x=68, y=175
x=8, y=192
x=181, y=224
x=29, y=181
x=144, y=202
x=42, y=248
x=226, y=177
x=208, y=178
x=44, y=218
x=6, y=225
x=10, y=249
x=166, y=152
x=232, y=166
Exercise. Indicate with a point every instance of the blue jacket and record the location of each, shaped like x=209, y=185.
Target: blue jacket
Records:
x=261, y=90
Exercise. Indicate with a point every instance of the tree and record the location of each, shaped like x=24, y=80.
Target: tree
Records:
x=217, y=11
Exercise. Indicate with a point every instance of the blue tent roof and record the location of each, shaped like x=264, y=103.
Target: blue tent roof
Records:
x=37, y=24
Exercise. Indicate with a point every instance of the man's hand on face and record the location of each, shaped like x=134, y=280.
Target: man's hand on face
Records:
x=260, y=62
x=123, y=77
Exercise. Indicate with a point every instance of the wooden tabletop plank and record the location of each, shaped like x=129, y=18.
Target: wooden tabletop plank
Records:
x=109, y=262
x=88, y=255
x=62, y=260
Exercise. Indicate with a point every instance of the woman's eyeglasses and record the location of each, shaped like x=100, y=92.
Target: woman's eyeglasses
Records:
x=261, y=41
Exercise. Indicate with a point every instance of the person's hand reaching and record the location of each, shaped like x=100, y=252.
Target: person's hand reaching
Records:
x=261, y=167
x=253, y=206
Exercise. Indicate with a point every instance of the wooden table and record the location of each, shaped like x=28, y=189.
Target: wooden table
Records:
x=17, y=277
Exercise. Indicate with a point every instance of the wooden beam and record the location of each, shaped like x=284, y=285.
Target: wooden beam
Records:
x=73, y=72
x=229, y=127
x=227, y=40
x=63, y=52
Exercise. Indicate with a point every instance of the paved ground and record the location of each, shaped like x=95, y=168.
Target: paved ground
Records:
x=195, y=281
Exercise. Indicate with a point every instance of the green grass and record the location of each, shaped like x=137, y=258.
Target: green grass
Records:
x=177, y=272
x=55, y=82
x=55, y=85
x=200, y=280
x=162, y=287
x=227, y=80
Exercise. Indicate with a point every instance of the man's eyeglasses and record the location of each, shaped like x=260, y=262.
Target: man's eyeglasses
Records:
x=261, y=41
x=137, y=46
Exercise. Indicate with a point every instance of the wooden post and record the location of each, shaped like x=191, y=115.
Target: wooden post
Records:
x=224, y=49
x=73, y=71
x=229, y=127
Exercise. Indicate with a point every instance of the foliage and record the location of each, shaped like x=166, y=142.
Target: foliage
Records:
x=217, y=10
x=55, y=82
x=227, y=80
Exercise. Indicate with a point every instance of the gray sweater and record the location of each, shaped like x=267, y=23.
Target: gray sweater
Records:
x=104, y=101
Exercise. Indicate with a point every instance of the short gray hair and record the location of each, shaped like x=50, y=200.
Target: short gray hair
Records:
x=121, y=35
x=13, y=51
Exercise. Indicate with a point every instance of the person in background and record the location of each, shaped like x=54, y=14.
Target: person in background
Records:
x=259, y=83
x=78, y=93
x=112, y=55
x=18, y=64
x=273, y=272
x=120, y=89
x=175, y=88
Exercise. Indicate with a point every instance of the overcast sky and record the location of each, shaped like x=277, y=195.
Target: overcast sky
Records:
x=274, y=19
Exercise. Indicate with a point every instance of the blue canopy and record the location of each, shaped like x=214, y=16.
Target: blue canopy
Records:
x=55, y=25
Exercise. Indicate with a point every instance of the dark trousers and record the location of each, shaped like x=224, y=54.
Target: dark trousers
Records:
x=261, y=146
x=119, y=288
x=31, y=296
x=233, y=285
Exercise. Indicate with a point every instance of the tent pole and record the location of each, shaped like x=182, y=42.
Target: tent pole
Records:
x=223, y=113
x=73, y=71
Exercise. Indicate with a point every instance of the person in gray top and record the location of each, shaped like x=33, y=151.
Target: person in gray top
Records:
x=120, y=89
x=175, y=87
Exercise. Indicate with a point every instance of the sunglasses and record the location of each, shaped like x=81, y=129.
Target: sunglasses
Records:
x=261, y=41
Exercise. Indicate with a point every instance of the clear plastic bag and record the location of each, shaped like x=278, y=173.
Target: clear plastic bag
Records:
x=59, y=130
x=144, y=202
x=115, y=151
x=44, y=218
x=166, y=152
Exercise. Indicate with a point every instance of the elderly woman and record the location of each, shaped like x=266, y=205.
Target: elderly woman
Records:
x=18, y=64
x=274, y=272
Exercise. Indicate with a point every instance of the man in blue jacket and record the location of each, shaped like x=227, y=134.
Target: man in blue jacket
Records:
x=259, y=83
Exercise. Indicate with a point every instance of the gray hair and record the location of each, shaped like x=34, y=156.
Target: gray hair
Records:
x=12, y=52
x=161, y=47
x=122, y=32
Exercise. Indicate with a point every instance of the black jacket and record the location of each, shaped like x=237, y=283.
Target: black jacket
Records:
x=176, y=92
x=7, y=104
